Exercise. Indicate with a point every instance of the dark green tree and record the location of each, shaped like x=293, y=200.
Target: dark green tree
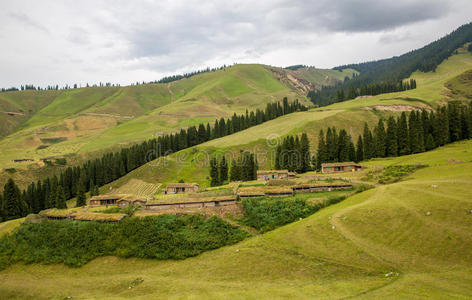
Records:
x=60, y=198
x=391, y=142
x=214, y=173
x=305, y=153
x=359, y=150
x=380, y=139
x=223, y=168
x=403, y=136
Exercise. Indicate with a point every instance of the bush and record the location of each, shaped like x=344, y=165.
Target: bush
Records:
x=75, y=243
x=267, y=214
x=395, y=173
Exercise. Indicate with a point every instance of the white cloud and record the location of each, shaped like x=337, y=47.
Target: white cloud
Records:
x=127, y=41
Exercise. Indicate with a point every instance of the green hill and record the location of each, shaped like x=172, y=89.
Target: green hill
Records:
x=410, y=239
x=350, y=115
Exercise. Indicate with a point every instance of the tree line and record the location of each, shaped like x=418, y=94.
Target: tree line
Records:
x=413, y=132
x=409, y=133
x=55, y=87
x=244, y=168
x=78, y=180
x=293, y=154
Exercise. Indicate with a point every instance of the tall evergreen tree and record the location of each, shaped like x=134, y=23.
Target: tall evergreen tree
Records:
x=403, y=136
x=391, y=144
x=214, y=173
x=368, y=144
x=380, y=139
x=322, y=152
x=60, y=198
x=223, y=170
x=13, y=204
x=80, y=195
x=359, y=150
x=305, y=153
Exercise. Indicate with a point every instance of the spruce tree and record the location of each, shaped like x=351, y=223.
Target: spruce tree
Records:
x=403, y=136
x=305, y=153
x=60, y=198
x=13, y=205
x=235, y=174
x=342, y=146
x=223, y=170
x=367, y=138
x=80, y=195
x=214, y=174
x=352, y=150
x=391, y=145
x=322, y=152
x=380, y=139
x=359, y=150
x=430, y=143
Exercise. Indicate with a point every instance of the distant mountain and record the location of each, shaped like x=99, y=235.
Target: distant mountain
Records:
x=425, y=59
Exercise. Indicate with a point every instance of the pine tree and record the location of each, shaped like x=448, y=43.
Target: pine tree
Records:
x=235, y=173
x=13, y=207
x=380, y=139
x=223, y=170
x=391, y=145
x=430, y=142
x=367, y=138
x=359, y=150
x=60, y=198
x=96, y=191
x=403, y=136
x=278, y=152
x=80, y=195
x=322, y=152
x=305, y=153
x=215, y=180
x=342, y=146
x=352, y=150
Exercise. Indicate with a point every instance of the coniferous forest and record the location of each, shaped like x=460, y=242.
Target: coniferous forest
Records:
x=385, y=75
x=76, y=181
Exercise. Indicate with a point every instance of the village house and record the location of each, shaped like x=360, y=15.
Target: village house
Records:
x=104, y=200
x=274, y=174
x=176, y=188
x=340, y=167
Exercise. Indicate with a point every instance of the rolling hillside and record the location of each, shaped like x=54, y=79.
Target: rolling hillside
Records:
x=51, y=123
x=409, y=239
x=350, y=115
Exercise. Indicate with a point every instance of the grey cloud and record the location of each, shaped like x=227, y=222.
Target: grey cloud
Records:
x=358, y=15
x=28, y=21
x=198, y=34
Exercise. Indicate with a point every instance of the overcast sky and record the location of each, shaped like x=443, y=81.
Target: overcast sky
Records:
x=67, y=42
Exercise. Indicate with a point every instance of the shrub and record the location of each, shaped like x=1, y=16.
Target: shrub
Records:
x=75, y=243
x=394, y=173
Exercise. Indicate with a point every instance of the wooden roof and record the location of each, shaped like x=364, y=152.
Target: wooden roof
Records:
x=262, y=190
x=191, y=200
x=271, y=171
x=340, y=164
x=106, y=197
x=174, y=185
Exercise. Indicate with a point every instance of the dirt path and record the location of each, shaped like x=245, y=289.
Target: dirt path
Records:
x=377, y=251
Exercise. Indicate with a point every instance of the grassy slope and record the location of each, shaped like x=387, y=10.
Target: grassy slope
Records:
x=114, y=115
x=350, y=115
x=326, y=77
x=342, y=251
